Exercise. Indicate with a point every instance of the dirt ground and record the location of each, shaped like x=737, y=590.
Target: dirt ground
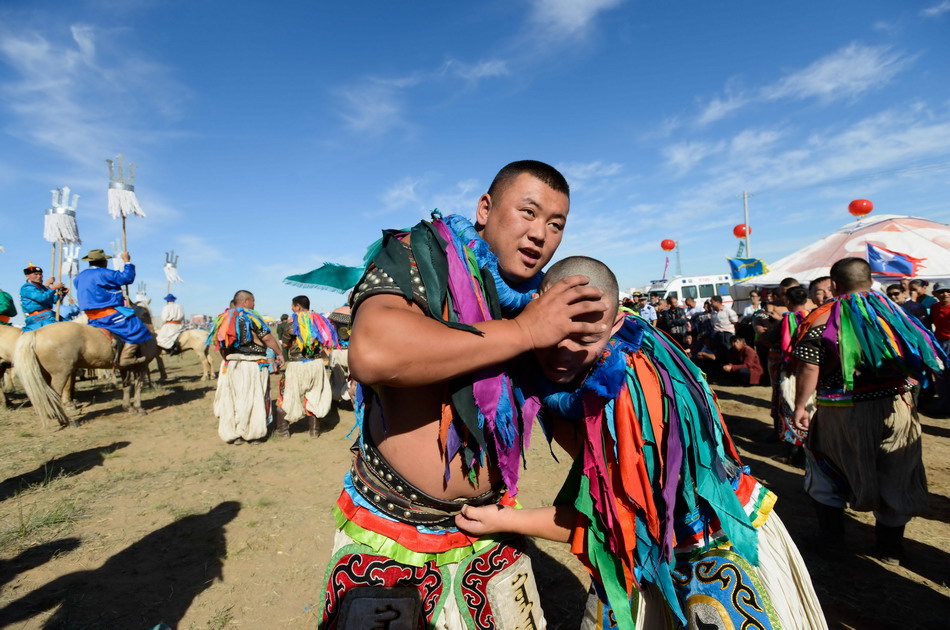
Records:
x=129, y=522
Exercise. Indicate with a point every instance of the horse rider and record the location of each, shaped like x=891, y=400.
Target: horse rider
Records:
x=99, y=290
x=173, y=318
x=7, y=308
x=37, y=299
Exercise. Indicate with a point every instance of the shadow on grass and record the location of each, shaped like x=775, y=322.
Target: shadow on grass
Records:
x=563, y=596
x=34, y=557
x=325, y=424
x=171, y=395
x=152, y=581
x=853, y=588
x=67, y=465
x=724, y=394
x=936, y=431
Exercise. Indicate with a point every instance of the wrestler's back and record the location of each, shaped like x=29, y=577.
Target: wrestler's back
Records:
x=411, y=442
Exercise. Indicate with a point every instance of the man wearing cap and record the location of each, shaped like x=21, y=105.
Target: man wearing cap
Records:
x=647, y=310
x=99, y=291
x=173, y=317
x=7, y=308
x=37, y=299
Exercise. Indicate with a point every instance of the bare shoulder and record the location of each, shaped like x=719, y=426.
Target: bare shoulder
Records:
x=383, y=305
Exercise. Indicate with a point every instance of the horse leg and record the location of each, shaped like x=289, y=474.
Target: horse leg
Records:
x=68, y=402
x=3, y=383
x=161, y=369
x=138, y=380
x=59, y=381
x=125, y=379
x=205, y=363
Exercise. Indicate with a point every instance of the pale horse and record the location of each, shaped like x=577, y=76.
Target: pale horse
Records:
x=193, y=339
x=46, y=361
x=8, y=339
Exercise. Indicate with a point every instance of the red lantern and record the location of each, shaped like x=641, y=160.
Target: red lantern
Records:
x=742, y=230
x=860, y=207
x=667, y=244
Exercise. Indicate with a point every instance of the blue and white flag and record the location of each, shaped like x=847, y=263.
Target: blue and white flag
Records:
x=741, y=268
x=885, y=262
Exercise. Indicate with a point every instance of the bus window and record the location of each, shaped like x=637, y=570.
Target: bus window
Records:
x=723, y=288
x=671, y=294
x=706, y=290
x=689, y=291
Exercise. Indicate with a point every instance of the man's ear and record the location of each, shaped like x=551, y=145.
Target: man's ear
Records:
x=482, y=210
x=618, y=322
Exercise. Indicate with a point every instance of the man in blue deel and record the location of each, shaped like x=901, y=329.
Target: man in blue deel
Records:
x=99, y=291
x=38, y=299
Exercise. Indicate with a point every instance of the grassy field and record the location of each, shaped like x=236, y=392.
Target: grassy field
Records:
x=129, y=522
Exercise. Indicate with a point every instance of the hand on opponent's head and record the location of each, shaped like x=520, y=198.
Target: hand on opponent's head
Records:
x=568, y=307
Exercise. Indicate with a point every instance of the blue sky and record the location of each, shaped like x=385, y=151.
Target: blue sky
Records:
x=270, y=137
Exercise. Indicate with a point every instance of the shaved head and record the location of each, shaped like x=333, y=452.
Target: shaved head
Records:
x=241, y=297
x=850, y=275
x=600, y=276
x=570, y=360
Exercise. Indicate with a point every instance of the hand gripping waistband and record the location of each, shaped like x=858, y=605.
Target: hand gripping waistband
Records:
x=377, y=482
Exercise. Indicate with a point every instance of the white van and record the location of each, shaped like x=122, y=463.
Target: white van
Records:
x=699, y=287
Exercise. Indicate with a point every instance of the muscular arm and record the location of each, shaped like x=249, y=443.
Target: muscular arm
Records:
x=270, y=342
x=393, y=342
x=806, y=382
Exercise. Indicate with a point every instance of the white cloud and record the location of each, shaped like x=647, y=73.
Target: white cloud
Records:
x=720, y=107
x=196, y=250
x=845, y=73
x=569, y=17
x=683, y=156
x=476, y=72
x=373, y=107
x=80, y=98
x=402, y=193
x=377, y=105
x=584, y=171
x=459, y=199
x=936, y=10
x=754, y=141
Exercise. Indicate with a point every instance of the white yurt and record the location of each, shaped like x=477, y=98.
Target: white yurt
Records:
x=926, y=240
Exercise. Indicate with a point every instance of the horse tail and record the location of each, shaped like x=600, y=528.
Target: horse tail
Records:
x=48, y=403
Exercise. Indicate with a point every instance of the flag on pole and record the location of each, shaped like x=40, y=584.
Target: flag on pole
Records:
x=117, y=263
x=741, y=249
x=885, y=262
x=171, y=267
x=70, y=266
x=666, y=267
x=331, y=276
x=59, y=224
x=742, y=268
x=121, y=197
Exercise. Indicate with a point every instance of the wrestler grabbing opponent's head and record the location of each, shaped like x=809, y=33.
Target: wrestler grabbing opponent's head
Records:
x=568, y=361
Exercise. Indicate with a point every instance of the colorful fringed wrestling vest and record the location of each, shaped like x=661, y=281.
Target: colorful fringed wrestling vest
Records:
x=233, y=329
x=657, y=473
x=788, y=331
x=312, y=333
x=872, y=345
x=486, y=415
